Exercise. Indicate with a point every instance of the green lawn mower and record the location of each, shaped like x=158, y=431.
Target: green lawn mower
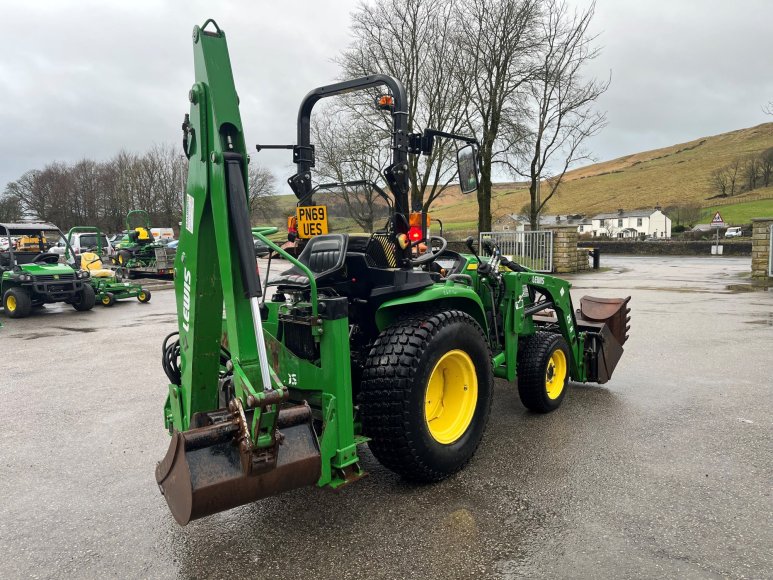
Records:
x=31, y=275
x=139, y=252
x=388, y=339
x=107, y=287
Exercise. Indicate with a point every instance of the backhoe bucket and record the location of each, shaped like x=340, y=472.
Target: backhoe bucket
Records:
x=206, y=470
x=605, y=320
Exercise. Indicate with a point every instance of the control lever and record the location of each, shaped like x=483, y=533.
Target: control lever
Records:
x=483, y=268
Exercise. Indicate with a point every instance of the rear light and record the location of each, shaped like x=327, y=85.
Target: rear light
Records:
x=414, y=234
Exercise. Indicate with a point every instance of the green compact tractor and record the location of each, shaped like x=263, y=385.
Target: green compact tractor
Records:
x=139, y=252
x=388, y=339
x=31, y=275
x=104, y=281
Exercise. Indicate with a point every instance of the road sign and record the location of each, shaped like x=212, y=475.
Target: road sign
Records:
x=717, y=221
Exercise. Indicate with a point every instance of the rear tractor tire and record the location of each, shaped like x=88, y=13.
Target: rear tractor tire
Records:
x=543, y=371
x=144, y=296
x=17, y=302
x=108, y=299
x=426, y=393
x=85, y=299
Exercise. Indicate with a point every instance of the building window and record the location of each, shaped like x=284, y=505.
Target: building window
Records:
x=620, y=223
x=581, y=228
x=639, y=222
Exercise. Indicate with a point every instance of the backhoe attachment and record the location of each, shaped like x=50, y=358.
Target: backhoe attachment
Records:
x=235, y=436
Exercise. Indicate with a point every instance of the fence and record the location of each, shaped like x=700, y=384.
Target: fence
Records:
x=734, y=199
x=531, y=249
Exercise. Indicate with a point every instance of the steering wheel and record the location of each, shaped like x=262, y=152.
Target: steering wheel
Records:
x=431, y=254
x=45, y=258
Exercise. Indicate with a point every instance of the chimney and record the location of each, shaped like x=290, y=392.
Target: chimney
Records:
x=657, y=207
x=558, y=218
x=620, y=211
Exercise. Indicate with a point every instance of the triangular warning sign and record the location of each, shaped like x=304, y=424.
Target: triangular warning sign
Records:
x=717, y=219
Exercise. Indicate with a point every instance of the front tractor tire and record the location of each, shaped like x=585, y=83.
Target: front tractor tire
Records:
x=17, y=302
x=108, y=299
x=543, y=371
x=426, y=393
x=144, y=296
x=85, y=299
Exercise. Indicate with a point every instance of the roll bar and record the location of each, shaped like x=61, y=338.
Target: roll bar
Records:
x=396, y=174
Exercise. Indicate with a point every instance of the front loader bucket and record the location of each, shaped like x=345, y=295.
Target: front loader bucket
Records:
x=202, y=472
x=605, y=320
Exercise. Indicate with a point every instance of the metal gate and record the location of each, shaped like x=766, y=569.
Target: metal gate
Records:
x=531, y=249
x=770, y=251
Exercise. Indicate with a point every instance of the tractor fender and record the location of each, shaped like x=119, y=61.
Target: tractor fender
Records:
x=447, y=296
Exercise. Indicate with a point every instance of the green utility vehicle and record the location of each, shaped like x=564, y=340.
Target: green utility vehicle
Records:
x=139, y=252
x=388, y=339
x=104, y=281
x=31, y=276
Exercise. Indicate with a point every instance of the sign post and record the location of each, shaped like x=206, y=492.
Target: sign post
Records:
x=717, y=222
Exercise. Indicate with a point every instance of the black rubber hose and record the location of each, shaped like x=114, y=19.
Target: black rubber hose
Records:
x=239, y=217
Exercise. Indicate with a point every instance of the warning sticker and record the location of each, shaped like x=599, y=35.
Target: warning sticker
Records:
x=189, y=212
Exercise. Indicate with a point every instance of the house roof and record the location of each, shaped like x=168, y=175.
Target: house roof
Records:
x=630, y=213
x=570, y=219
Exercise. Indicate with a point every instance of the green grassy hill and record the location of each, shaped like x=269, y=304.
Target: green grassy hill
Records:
x=675, y=175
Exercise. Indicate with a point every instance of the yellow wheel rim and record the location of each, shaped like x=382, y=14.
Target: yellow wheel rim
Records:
x=555, y=374
x=105, y=300
x=142, y=296
x=451, y=397
x=10, y=303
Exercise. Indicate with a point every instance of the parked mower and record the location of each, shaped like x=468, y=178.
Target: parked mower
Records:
x=31, y=276
x=138, y=252
x=368, y=338
x=107, y=287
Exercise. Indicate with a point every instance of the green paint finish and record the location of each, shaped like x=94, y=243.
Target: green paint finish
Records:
x=446, y=295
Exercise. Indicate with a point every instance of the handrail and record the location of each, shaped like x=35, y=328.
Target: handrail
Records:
x=261, y=233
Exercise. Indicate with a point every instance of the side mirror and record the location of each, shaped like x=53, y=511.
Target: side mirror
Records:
x=467, y=164
x=469, y=242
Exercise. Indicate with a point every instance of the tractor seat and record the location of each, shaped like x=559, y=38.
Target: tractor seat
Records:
x=91, y=262
x=323, y=255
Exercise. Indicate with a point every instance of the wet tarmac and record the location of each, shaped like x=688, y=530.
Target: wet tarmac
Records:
x=665, y=472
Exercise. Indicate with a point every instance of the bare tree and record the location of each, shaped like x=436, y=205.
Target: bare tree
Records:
x=497, y=38
x=347, y=149
x=10, y=208
x=720, y=180
x=766, y=167
x=750, y=169
x=413, y=41
x=768, y=109
x=262, y=192
x=561, y=101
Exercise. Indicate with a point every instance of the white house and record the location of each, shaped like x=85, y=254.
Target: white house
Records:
x=517, y=223
x=651, y=223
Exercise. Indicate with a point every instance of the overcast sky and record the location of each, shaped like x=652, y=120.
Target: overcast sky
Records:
x=85, y=79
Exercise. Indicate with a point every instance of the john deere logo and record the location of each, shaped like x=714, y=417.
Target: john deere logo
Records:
x=56, y=276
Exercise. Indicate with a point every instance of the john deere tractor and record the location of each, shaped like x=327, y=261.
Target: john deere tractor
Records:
x=388, y=339
x=32, y=276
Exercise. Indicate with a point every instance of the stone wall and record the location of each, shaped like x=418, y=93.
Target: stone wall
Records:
x=668, y=247
x=567, y=257
x=761, y=247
